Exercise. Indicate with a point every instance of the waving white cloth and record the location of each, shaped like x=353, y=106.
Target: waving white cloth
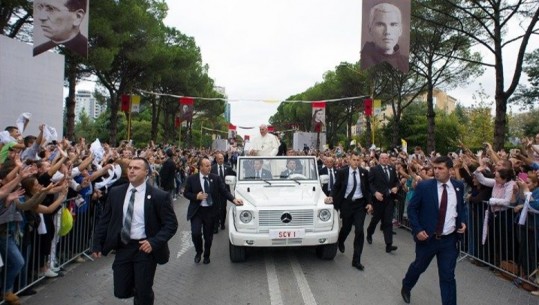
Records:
x=527, y=208
x=50, y=134
x=97, y=149
x=22, y=120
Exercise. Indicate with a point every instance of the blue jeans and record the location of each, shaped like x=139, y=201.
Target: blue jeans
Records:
x=13, y=261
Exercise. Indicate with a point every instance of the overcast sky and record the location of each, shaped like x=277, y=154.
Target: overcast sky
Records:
x=272, y=49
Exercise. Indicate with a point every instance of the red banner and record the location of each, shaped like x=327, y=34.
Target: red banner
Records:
x=186, y=101
x=271, y=128
x=126, y=103
x=231, y=127
x=368, y=107
x=319, y=104
x=318, y=121
x=186, y=108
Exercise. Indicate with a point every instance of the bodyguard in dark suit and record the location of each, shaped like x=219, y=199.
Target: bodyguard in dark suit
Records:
x=436, y=214
x=329, y=170
x=222, y=170
x=351, y=196
x=384, y=184
x=167, y=174
x=202, y=190
x=137, y=222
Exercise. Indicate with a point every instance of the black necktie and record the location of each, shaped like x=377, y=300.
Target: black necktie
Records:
x=221, y=172
x=331, y=179
x=443, y=210
x=349, y=197
x=207, y=190
x=126, y=228
x=386, y=171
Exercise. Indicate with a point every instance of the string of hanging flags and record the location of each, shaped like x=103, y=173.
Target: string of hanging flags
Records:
x=247, y=100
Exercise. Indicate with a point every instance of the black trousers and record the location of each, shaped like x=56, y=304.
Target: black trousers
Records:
x=353, y=213
x=202, y=224
x=383, y=210
x=134, y=272
x=220, y=216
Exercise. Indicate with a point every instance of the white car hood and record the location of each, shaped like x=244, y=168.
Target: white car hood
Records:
x=261, y=196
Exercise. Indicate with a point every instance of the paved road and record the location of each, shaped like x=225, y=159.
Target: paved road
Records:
x=280, y=276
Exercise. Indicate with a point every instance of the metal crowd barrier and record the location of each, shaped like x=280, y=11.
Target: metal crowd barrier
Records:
x=32, y=244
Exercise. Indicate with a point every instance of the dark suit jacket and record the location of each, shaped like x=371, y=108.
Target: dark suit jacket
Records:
x=378, y=181
x=423, y=208
x=339, y=188
x=324, y=171
x=159, y=221
x=228, y=171
x=79, y=45
x=193, y=187
x=166, y=174
x=266, y=174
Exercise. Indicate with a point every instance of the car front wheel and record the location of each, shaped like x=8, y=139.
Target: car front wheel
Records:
x=326, y=252
x=237, y=253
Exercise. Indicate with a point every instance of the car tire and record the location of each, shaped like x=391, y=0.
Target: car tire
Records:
x=237, y=254
x=326, y=252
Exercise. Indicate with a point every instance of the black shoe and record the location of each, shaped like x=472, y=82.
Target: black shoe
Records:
x=359, y=266
x=341, y=246
x=215, y=229
x=198, y=257
x=27, y=292
x=394, y=233
x=390, y=248
x=222, y=227
x=405, y=295
x=206, y=260
x=369, y=239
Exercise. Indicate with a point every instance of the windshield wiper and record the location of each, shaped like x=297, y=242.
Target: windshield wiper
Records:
x=296, y=180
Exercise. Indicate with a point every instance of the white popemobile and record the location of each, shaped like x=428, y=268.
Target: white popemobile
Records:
x=282, y=207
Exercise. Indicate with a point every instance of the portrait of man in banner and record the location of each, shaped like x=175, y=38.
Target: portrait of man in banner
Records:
x=61, y=22
x=186, y=113
x=318, y=121
x=385, y=34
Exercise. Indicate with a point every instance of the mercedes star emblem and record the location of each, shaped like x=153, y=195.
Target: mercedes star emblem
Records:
x=286, y=217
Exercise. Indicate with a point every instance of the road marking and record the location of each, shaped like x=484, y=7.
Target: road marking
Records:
x=185, y=243
x=273, y=281
x=306, y=293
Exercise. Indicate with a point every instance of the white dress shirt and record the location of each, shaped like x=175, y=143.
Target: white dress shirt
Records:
x=451, y=212
x=137, y=221
x=357, y=194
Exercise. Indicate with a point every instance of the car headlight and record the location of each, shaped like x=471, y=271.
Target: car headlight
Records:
x=246, y=216
x=324, y=215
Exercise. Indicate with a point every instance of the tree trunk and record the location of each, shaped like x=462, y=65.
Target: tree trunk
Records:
x=431, y=115
x=115, y=100
x=70, y=101
x=155, y=119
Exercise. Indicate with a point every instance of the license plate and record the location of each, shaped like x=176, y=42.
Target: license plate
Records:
x=289, y=233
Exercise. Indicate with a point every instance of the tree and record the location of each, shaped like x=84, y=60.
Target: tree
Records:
x=528, y=96
x=492, y=25
x=440, y=54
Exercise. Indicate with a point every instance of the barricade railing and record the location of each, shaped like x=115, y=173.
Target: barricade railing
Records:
x=45, y=243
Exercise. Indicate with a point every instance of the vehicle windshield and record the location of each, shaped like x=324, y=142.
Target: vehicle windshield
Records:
x=276, y=168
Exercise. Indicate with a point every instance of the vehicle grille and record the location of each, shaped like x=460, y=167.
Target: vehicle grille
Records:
x=272, y=218
x=287, y=242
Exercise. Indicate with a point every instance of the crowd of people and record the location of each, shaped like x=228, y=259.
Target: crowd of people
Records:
x=37, y=175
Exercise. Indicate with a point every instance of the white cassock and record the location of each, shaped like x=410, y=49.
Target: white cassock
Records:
x=267, y=145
